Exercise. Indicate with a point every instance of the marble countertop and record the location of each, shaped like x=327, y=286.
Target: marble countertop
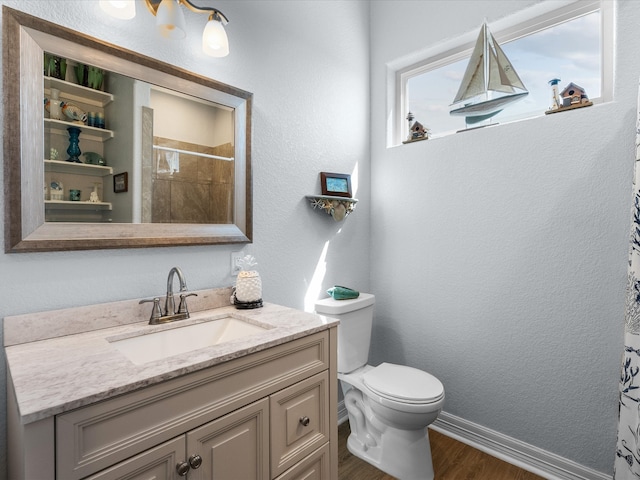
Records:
x=55, y=375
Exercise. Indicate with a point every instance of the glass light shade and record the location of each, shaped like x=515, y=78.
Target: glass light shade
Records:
x=214, y=39
x=123, y=9
x=170, y=20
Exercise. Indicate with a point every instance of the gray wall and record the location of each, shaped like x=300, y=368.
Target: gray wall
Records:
x=307, y=63
x=501, y=254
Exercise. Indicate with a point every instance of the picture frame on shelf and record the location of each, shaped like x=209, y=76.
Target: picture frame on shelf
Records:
x=335, y=184
x=121, y=182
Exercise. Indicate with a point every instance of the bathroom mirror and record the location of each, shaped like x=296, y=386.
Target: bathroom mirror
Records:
x=132, y=191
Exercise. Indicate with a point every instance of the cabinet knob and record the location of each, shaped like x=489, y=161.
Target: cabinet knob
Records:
x=182, y=469
x=195, y=461
x=304, y=421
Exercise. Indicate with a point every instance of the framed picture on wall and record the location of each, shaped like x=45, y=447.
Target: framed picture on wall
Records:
x=335, y=184
x=121, y=182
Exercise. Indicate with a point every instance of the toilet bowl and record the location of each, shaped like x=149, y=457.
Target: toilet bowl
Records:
x=389, y=405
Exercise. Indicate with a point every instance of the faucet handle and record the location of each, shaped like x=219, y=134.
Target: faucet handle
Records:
x=156, y=312
x=182, y=307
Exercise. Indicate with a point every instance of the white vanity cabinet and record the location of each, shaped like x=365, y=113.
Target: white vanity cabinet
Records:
x=266, y=415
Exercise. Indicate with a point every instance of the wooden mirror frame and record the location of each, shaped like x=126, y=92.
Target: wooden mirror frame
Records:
x=25, y=226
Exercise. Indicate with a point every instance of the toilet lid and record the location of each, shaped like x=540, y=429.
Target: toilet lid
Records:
x=403, y=383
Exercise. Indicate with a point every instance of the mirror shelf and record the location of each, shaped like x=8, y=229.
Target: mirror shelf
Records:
x=73, y=91
x=88, y=133
x=67, y=205
x=61, y=166
x=25, y=161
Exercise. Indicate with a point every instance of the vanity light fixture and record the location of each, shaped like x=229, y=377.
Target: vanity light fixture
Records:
x=171, y=23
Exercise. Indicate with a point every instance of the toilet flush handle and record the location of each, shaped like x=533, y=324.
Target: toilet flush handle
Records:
x=304, y=421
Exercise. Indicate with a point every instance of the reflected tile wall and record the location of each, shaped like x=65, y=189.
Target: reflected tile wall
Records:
x=190, y=188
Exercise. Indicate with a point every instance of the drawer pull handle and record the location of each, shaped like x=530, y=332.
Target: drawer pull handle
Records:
x=304, y=421
x=195, y=461
x=182, y=469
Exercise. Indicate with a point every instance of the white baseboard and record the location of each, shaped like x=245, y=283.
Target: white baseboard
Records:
x=516, y=452
x=511, y=450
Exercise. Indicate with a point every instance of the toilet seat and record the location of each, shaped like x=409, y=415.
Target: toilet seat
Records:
x=403, y=384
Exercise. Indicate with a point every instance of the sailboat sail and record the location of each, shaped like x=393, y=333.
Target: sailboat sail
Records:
x=489, y=70
x=508, y=75
x=473, y=82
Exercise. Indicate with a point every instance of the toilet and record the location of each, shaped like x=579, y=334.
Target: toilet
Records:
x=389, y=406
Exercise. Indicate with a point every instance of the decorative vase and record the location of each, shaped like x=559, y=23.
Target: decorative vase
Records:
x=55, y=67
x=81, y=74
x=248, y=286
x=55, y=110
x=74, y=145
x=95, y=77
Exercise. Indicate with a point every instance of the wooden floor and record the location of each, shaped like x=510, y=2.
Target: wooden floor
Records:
x=452, y=460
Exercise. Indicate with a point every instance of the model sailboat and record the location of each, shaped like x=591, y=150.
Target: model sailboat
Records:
x=490, y=82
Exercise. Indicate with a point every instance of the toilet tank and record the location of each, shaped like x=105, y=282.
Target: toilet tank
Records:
x=354, y=331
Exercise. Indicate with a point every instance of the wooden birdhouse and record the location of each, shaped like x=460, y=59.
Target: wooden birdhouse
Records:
x=573, y=94
x=571, y=97
x=418, y=131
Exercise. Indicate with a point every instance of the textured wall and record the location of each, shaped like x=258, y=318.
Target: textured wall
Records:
x=500, y=254
x=307, y=63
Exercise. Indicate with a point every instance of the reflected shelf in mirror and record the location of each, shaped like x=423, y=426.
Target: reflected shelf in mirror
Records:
x=62, y=166
x=68, y=205
x=88, y=133
x=74, y=92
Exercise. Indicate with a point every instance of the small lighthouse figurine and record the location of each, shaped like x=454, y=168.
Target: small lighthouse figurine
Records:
x=556, y=97
x=410, y=119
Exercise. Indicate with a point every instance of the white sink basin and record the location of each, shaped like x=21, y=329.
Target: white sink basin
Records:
x=182, y=339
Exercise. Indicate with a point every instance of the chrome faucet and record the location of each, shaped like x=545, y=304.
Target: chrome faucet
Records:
x=170, y=313
x=169, y=303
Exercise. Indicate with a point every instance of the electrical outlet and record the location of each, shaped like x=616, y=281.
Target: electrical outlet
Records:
x=235, y=262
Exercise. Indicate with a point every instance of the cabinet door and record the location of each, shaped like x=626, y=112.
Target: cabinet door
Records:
x=158, y=463
x=233, y=447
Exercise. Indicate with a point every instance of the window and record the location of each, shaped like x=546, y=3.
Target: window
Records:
x=573, y=43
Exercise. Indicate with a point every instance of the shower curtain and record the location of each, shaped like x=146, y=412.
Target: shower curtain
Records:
x=627, y=462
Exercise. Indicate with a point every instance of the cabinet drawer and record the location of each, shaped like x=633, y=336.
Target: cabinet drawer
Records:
x=299, y=421
x=94, y=437
x=314, y=467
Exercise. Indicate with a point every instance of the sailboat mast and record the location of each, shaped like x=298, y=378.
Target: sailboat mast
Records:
x=485, y=58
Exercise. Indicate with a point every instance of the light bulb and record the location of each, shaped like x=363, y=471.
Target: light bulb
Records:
x=214, y=39
x=122, y=9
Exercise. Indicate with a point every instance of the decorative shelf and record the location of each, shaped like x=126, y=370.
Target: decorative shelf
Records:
x=67, y=205
x=88, y=133
x=73, y=91
x=337, y=207
x=61, y=166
